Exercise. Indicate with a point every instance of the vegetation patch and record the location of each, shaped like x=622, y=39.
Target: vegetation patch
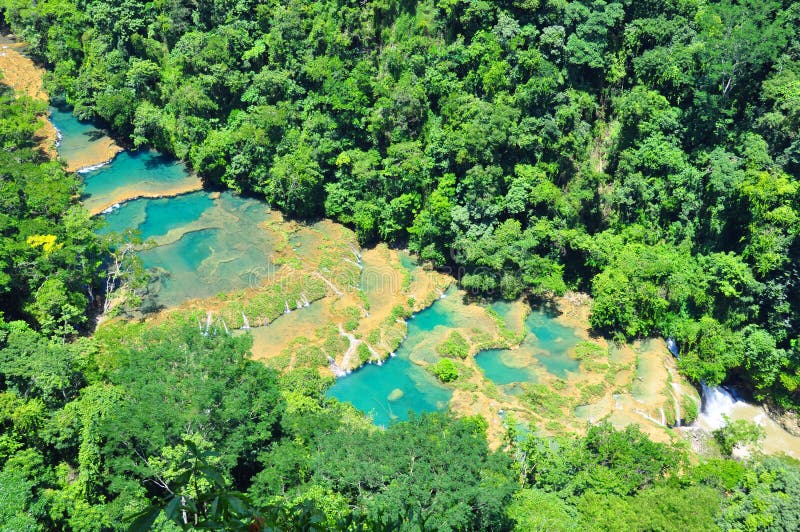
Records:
x=455, y=346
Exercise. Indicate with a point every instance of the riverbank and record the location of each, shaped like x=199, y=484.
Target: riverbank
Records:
x=314, y=298
x=22, y=74
x=104, y=205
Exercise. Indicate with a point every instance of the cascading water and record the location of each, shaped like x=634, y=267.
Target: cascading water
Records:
x=676, y=401
x=717, y=402
x=673, y=348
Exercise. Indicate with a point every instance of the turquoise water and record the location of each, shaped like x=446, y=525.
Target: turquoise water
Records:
x=369, y=388
x=548, y=343
x=501, y=369
x=129, y=175
x=204, y=245
x=437, y=315
x=408, y=261
x=503, y=308
x=76, y=135
x=552, y=343
x=156, y=217
x=142, y=169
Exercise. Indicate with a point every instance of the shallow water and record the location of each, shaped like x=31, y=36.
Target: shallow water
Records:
x=207, y=243
x=130, y=175
x=551, y=343
x=390, y=391
x=81, y=144
x=156, y=217
x=548, y=343
x=505, y=366
x=204, y=245
x=77, y=137
x=270, y=340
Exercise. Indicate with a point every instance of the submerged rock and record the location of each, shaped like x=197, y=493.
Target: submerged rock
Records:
x=395, y=394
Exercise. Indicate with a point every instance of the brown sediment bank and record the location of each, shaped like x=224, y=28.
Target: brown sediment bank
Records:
x=22, y=75
x=98, y=151
x=128, y=194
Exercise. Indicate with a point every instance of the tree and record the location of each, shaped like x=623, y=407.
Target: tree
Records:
x=737, y=433
x=445, y=370
x=431, y=471
x=56, y=310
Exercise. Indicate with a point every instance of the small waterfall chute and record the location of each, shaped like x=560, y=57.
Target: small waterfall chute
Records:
x=676, y=398
x=673, y=348
x=355, y=253
x=208, y=323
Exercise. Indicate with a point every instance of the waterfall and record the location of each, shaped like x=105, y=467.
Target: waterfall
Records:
x=717, y=402
x=287, y=310
x=227, y=332
x=208, y=323
x=337, y=371
x=306, y=302
x=357, y=264
x=356, y=253
x=676, y=395
x=298, y=303
x=199, y=325
x=673, y=348
x=245, y=322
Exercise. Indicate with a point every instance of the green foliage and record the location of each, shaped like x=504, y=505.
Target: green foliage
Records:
x=534, y=509
x=210, y=507
x=454, y=346
x=408, y=477
x=49, y=254
x=739, y=432
x=445, y=370
x=764, y=498
x=352, y=318
x=541, y=398
x=606, y=461
x=645, y=152
x=532, y=147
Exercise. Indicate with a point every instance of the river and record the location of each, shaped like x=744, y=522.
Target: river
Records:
x=309, y=296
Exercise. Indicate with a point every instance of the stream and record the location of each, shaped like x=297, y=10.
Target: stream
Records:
x=207, y=243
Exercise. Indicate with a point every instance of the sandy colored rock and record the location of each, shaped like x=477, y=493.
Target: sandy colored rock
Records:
x=22, y=75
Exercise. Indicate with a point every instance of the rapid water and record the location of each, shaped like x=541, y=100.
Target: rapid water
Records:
x=719, y=402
